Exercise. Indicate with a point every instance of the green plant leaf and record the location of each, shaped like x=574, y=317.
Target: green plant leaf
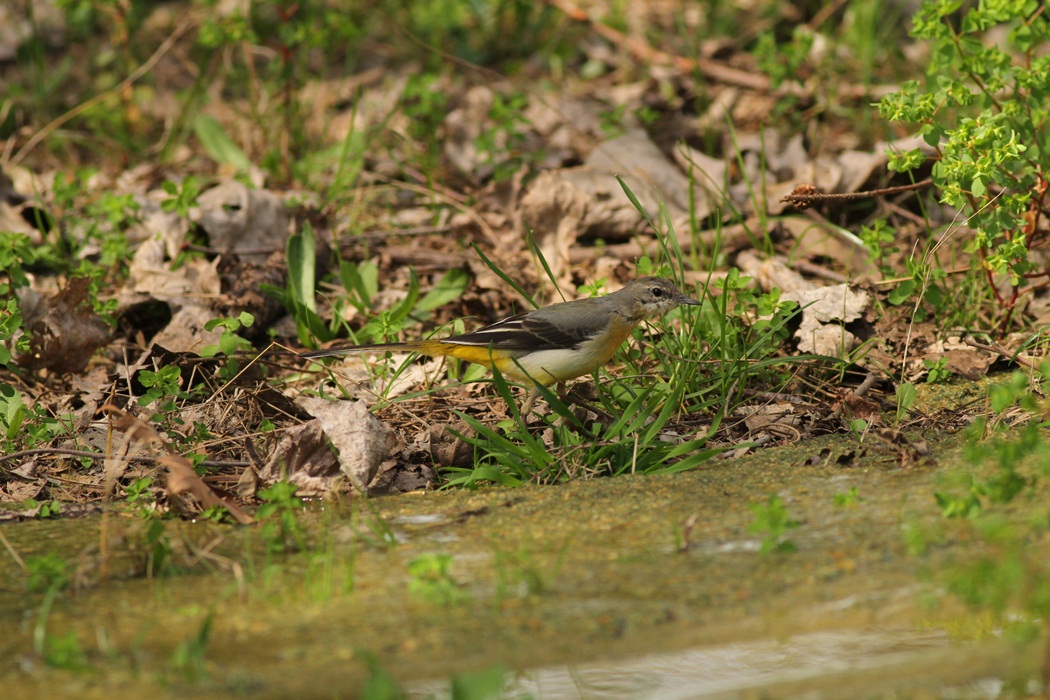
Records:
x=302, y=278
x=218, y=144
x=449, y=288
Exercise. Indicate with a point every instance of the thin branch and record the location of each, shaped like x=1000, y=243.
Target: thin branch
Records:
x=643, y=51
x=805, y=196
x=98, y=456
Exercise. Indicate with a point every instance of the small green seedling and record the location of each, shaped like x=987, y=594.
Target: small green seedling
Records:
x=430, y=578
x=772, y=521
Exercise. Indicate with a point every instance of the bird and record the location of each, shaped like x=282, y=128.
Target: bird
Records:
x=549, y=345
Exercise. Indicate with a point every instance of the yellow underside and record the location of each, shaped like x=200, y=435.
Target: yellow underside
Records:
x=545, y=366
x=478, y=354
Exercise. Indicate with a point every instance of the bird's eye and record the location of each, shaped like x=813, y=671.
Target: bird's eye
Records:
x=657, y=292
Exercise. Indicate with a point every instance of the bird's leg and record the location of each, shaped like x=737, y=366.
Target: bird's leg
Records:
x=578, y=400
x=534, y=393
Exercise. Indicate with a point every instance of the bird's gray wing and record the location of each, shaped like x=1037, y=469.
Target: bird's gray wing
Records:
x=549, y=328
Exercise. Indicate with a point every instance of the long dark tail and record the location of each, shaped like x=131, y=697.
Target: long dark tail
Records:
x=351, y=349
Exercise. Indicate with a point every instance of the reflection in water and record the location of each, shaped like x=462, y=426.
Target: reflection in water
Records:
x=727, y=670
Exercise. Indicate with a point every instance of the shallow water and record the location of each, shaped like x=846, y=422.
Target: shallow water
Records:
x=586, y=590
x=841, y=663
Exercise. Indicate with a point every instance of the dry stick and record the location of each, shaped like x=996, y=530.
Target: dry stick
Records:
x=448, y=196
x=997, y=349
x=142, y=70
x=14, y=553
x=640, y=49
x=99, y=455
x=638, y=246
x=804, y=196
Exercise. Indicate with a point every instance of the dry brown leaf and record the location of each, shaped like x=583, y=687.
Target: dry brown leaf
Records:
x=463, y=129
x=187, y=332
x=816, y=239
x=151, y=274
x=554, y=209
x=763, y=417
x=183, y=481
x=824, y=310
x=135, y=427
x=363, y=441
x=247, y=484
x=771, y=274
x=252, y=223
x=447, y=448
x=65, y=337
x=188, y=290
x=20, y=491
x=653, y=179
x=304, y=458
x=12, y=221
x=854, y=406
x=962, y=359
x=708, y=173
x=644, y=168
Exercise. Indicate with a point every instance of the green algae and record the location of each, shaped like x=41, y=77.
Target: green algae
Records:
x=585, y=572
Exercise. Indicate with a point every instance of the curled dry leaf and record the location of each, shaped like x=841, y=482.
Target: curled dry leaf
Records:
x=187, y=489
x=463, y=129
x=183, y=482
x=13, y=209
x=554, y=209
x=150, y=274
x=20, y=492
x=250, y=223
x=824, y=309
x=187, y=290
x=644, y=168
x=303, y=458
x=187, y=330
x=363, y=441
x=135, y=428
x=447, y=448
x=68, y=332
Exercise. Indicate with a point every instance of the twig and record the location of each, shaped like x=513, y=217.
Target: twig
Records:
x=14, y=553
x=640, y=49
x=729, y=236
x=100, y=456
x=805, y=196
x=998, y=349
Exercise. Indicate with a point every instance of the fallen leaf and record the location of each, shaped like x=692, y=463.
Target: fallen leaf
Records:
x=20, y=491
x=252, y=223
x=304, y=458
x=363, y=441
x=183, y=481
x=554, y=209
x=136, y=429
x=65, y=337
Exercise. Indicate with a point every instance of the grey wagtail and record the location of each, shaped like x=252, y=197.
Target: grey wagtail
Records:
x=549, y=345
